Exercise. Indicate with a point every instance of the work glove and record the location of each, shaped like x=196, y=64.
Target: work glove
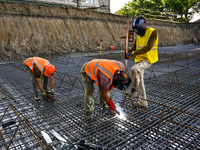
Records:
x=126, y=56
x=111, y=105
x=111, y=87
x=44, y=95
x=131, y=54
x=52, y=92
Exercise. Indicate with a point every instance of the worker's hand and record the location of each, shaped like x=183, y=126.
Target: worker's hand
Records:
x=126, y=56
x=52, y=92
x=112, y=106
x=131, y=54
x=44, y=95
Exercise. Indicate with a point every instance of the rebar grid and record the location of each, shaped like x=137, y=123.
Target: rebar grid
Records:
x=169, y=83
x=29, y=129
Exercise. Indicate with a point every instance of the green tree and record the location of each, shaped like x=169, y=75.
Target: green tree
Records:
x=141, y=7
x=185, y=8
x=150, y=8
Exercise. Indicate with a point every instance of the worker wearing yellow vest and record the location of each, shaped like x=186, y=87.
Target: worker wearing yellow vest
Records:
x=107, y=74
x=145, y=53
x=37, y=67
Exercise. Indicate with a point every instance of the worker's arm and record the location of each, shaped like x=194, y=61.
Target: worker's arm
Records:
x=109, y=101
x=38, y=80
x=105, y=95
x=105, y=85
x=149, y=45
x=133, y=48
x=51, y=82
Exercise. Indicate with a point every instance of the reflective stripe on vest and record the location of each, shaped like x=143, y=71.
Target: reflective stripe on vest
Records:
x=152, y=55
x=33, y=61
x=92, y=72
x=89, y=72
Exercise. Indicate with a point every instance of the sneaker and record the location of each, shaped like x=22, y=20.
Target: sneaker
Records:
x=47, y=91
x=133, y=93
x=89, y=114
x=36, y=97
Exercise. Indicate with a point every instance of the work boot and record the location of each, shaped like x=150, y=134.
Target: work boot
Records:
x=133, y=93
x=36, y=97
x=47, y=91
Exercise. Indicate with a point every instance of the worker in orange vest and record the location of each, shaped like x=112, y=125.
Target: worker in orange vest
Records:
x=37, y=67
x=107, y=74
x=145, y=53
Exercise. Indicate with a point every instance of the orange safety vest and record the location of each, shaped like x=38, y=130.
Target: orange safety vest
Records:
x=107, y=67
x=152, y=55
x=40, y=63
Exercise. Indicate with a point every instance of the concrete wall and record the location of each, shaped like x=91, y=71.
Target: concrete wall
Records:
x=32, y=29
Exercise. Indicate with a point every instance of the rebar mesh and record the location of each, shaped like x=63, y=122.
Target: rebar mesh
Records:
x=172, y=120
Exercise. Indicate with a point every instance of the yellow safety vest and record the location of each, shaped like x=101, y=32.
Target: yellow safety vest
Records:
x=152, y=55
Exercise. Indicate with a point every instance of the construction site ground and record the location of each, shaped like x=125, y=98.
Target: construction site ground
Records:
x=171, y=122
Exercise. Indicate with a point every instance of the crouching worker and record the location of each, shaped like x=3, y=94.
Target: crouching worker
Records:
x=38, y=67
x=106, y=74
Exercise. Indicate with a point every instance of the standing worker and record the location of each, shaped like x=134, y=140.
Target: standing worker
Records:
x=145, y=53
x=107, y=74
x=37, y=67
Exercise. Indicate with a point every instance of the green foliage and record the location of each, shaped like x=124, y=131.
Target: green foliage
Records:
x=141, y=7
x=150, y=8
x=182, y=7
